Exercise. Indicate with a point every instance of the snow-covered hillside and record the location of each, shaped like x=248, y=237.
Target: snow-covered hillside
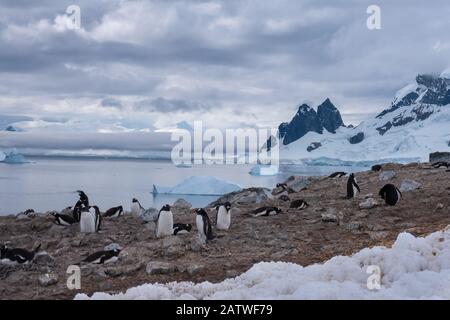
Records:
x=414, y=268
x=416, y=124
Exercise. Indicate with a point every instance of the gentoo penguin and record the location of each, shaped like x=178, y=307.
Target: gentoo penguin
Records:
x=102, y=257
x=284, y=188
x=377, y=167
x=90, y=220
x=84, y=200
x=391, y=194
x=164, y=223
x=181, y=228
x=114, y=212
x=284, y=198
x=299, y=204
x=338, y=174
x=439, y=164
x=18, y=255
x=136, y=208
x=352, y=186
x=223, y=216
x=203, y=225
x=64, y=219
x=266, y=211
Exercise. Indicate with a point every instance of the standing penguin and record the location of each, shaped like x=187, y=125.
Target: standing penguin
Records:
x=391, y=194
x=223, y=216
x=203, y=225
x=164, y=223
x=136, y=208
x=90, y=220
x=299, y=204
x=114, y=212
x=352, y=186
x=84, y=200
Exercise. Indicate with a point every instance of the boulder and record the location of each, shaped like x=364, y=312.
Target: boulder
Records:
x=409, y=185
x=112, y=246
x=439, y=156
x=386, y=175
x=194, y=269
x=357, y=138
x=181, y=203
x=245, y=197
x=313, y=146
x=158, y=267
x=47, y=279
x=369, y=203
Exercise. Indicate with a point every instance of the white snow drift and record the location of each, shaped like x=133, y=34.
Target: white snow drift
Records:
x=414, y=268
x=199, y=185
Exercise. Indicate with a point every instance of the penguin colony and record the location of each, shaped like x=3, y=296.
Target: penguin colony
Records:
x=89, y=217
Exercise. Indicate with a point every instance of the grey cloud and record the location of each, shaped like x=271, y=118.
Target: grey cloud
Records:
x=170, y=105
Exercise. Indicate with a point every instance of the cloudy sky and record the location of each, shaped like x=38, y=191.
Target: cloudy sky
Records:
x=148, y=65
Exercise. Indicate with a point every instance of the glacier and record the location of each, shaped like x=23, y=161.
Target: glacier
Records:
x=199, y=185
x=413, y=268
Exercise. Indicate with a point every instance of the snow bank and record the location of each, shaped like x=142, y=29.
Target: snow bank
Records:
x=414, y=268
x=13, y=157
x=199, y=185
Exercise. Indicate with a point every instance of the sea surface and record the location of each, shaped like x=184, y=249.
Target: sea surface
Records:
x=51, y=183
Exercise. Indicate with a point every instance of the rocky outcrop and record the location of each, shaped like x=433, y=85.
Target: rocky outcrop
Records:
x=308, y=120
x=357, y=138
x=313, y=146
x=329, y=116
x=304, y=121
x=439, y=156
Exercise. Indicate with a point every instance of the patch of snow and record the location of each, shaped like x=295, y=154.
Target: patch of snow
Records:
x=400, y=94
x=2, y=156
x=199, y=185
x=445, y=74
x=414, y=268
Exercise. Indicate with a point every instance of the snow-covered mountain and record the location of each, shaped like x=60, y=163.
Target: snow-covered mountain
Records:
x=415, y=124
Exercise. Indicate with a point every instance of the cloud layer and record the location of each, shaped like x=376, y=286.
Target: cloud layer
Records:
x=144, y=65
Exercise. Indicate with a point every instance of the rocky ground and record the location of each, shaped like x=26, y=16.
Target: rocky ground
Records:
x=331, y=226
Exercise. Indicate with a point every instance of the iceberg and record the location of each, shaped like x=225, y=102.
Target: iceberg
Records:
x=264, y=170
x=199, y=185
x=13, y=157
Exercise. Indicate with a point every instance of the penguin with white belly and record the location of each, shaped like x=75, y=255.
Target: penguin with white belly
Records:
x=90, y=220
x=203, y=225
x=164, y=223
x=223, y=216
x=136, y=208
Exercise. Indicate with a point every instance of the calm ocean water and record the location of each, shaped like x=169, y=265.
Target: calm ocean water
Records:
x=50, y=183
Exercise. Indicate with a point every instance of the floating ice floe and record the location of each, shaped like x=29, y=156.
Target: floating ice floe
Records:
x=13, y=157
x=414, y=268
x=199, y=185
x=264, y=170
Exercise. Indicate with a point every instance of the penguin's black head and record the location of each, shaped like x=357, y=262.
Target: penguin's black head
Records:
x=227, y=205
x=201, y=211
x=134, y=200
x=188, y=227
x=277, y=210
x=281, y=185
x=165, y=208
x=116, y=251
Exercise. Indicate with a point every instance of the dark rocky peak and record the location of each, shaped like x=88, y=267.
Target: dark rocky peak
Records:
x=304, y=121
x=329, y=116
